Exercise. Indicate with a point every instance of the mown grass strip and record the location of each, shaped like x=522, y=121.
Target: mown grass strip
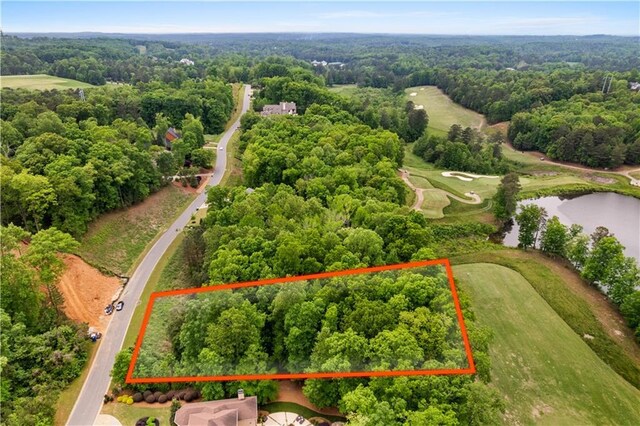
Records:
x=571, y=307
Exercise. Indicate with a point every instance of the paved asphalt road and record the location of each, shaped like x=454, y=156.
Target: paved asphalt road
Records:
x=89, y=402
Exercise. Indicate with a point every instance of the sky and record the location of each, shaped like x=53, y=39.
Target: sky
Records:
x=463, y=18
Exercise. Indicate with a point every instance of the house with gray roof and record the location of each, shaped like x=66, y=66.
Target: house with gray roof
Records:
x=225, y=412
x=284, y=108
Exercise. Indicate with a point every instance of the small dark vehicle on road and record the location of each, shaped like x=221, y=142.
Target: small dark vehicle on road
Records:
x=108, y=309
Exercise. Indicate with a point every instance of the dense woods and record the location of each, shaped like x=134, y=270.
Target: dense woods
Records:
x=42, y=351
x=320, y=192
x=597, y=130
x=67, y=160
x=466, y=150
x=282, y=228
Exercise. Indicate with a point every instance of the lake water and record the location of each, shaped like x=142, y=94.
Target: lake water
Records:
x=619, y=213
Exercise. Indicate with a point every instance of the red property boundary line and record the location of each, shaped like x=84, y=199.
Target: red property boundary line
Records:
x=445, y=262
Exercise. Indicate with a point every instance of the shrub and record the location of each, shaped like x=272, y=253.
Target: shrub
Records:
x=188, y=396
x=180, y=395
x=162, y=398
x=147, y=393
x=129, y=401
x=150, y=399
x=171, y=394
x=137, y=397
x=157, y=394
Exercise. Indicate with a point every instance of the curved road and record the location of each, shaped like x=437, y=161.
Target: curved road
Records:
x=89, y=402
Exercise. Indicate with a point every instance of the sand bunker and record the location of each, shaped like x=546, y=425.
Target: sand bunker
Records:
x=413, y=94
x=418, y=107
x=467, y=177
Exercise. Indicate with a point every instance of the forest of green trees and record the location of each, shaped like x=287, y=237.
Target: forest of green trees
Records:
x=320, y=193
x=284, y=228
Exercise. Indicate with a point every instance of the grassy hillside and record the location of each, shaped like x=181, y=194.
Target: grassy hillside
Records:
x=41, y=82
x=546, y=372
x=116, y=240
x=442, y=111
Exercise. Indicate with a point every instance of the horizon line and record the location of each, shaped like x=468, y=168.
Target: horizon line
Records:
x=320, y=33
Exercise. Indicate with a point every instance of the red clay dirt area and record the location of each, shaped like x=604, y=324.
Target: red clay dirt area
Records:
x=86, y=292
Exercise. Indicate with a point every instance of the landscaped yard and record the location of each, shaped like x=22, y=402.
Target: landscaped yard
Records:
x=291, y=407
x=116, y=240
x=41, y=82
x=545, y=371
x=129, y=414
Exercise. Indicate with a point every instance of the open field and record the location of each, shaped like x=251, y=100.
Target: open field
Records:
x=546, y=372
x=344, y=89
x=442, y=111
x=580, y=305
x=41, y=82
x=116, y=240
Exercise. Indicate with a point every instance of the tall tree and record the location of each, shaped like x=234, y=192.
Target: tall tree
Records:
x=505, y=199
x=42, y=256
x=554, y=238
x=530, y=221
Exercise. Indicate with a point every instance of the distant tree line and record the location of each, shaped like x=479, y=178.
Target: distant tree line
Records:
x=65, y=161
x=597, y=130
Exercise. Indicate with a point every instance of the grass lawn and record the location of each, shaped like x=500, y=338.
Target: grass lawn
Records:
x=116, y=240
x=434, y=203
x=41, y=82
x=276, y=407
x=233, y=174
x=581, y=307
x=166, y=270
x=344, y=89
x=546, y=372
x=129, y=414
x=442, y=111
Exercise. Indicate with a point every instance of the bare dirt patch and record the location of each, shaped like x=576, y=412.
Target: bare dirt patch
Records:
x=86, y=292
x=542, y=173
x=289, y=391
x=540, y=410
x=600, y=179
x=502, y=127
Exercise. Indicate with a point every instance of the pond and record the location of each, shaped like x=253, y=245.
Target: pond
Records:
x=619, y=213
